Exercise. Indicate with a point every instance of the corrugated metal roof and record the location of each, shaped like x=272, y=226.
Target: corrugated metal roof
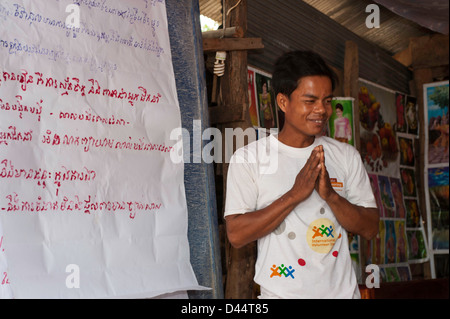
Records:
x=392, y=36
x=211, y=9
x=302, y=27
x=324, y=26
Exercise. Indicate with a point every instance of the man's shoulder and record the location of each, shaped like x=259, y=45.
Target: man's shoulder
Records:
x=253, y=146
x=337, y=145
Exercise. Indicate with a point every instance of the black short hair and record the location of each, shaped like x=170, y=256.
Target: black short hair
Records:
x=294, y=65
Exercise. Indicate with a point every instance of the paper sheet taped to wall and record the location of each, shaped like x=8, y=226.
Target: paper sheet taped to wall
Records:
x=91, y=203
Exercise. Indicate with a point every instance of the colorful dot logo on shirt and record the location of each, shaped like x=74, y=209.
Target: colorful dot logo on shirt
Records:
x=282, y=271
x=321, y=235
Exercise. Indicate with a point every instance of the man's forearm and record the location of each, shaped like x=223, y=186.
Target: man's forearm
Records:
x=245, y=228
x=356, y=219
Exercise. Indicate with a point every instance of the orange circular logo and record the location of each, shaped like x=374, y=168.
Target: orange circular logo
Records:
x=321, y=235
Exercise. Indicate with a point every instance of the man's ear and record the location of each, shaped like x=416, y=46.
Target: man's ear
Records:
x=282, y=101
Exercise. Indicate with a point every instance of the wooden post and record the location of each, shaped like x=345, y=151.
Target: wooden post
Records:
x=351, y=89
x=240, y=263
x=351, y=76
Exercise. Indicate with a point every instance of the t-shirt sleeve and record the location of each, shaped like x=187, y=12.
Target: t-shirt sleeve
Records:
x=359, y=190
x=242, y=192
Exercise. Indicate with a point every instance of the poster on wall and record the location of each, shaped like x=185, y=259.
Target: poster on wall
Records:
x=388, y=131
x=260, y=94
x=341, y=120
x=252, y=102
x=91, y=204
x=377, y=113
x=438, y=193
x=436, y=173
x=437, y=123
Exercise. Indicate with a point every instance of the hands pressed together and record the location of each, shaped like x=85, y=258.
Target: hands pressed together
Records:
x=314, y=175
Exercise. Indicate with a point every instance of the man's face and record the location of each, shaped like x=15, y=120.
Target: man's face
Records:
x=309, y=107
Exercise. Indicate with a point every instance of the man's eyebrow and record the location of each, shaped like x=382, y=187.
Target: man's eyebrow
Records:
x=312, y=96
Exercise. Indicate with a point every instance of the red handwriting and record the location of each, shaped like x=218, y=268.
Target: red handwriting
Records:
x=87, y=206
x=89, y=117
x=88, y=142
x=5, y=280
x=9, y=171
x=13, y=135
x=73, y=85
x=20, y=108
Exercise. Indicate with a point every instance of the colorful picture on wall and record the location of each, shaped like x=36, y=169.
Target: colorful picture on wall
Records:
x=378, y=138
x=376, y=192
x=408, y=179
x=391, y=274
x=387, y=198
x=411, y=115
x=397, y=194
x=438, y=188
x=252, y=109
x=341, y=120
x=436, y=100
x=391, y=242
x=436, y=105
x=400, y=235
x=412, y=213
x=406, y=146
x=401, y=125
x=267, y=110
x=378, y=245
x=416, y=245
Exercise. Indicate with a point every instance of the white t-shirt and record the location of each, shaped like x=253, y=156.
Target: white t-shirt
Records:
x=307, y=256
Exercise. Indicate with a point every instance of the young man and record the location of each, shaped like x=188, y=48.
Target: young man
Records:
x=298, y=194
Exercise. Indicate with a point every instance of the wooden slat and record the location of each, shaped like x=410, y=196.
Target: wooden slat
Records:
x=232, y=44
x=429, y=51
x=233, y=32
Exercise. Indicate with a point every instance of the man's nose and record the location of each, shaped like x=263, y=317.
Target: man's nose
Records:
x=320, y=107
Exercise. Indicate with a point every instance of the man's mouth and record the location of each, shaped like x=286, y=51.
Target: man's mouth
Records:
x=318, y=121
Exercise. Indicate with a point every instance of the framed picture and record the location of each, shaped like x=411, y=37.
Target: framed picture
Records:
x=436, y=122
x=341, y=120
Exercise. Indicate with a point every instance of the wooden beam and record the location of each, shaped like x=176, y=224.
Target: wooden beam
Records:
x=232, y=44
x=429, y=51
x=404, y=57
x=233, y=32
x=221, y=114
x=351, y=76
x=351, y=89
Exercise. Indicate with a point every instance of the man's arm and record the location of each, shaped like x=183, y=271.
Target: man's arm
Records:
x=245, y=228
x=356, y=219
